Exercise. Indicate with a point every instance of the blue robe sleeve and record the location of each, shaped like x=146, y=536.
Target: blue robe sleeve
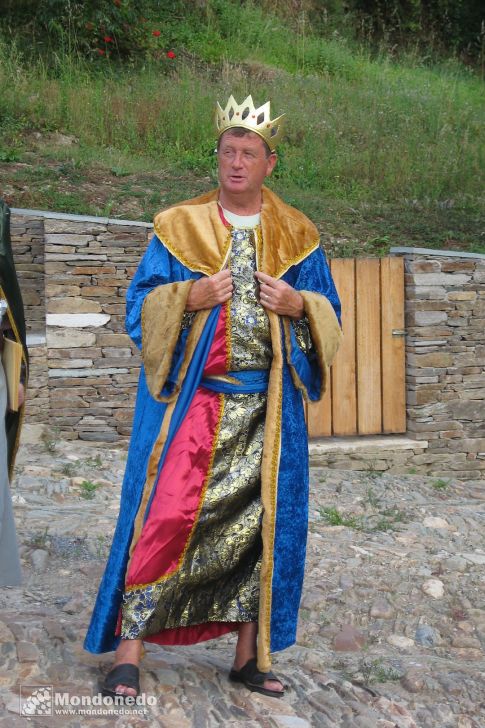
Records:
x=308, y=358
x=157, y=267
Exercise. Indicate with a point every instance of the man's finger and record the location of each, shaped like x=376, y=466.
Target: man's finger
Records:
x=266, y=290
x=263, y=278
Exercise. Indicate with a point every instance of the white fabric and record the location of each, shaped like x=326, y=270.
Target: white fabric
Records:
x=242, y=221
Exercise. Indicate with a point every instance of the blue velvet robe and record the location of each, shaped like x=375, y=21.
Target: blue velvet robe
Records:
x=158, y=267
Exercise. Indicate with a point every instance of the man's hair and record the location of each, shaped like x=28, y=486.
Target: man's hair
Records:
x=239, y=131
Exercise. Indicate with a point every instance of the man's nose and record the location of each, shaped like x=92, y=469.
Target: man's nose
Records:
x=237, y=160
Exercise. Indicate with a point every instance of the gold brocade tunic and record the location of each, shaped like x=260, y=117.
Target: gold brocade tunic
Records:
x=220, y=574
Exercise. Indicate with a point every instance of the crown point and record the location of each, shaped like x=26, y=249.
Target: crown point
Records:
x=254, y=119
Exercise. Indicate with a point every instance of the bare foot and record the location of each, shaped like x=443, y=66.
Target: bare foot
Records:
x=274, y=685
x=129, y=651
x=246, y=649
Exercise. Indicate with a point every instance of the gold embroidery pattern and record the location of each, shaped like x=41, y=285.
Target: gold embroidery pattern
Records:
x=249, y=324
x=303, y=335
x=219, y=577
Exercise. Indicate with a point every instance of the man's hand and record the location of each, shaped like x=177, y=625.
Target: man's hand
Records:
x=280, y=297
x=21, y=394
x=21, y=397
x=210, y=291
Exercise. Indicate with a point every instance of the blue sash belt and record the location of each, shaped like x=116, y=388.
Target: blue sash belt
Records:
x=246, y=382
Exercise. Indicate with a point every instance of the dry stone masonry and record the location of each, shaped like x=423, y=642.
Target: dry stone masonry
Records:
x=80, y=352
x=445, y=351
x=74, y=272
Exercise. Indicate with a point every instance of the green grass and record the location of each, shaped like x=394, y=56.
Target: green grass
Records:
x=440, y=484
x=94, y=462
x=377, y=153
x=389, y=519
x=70, y=468
x=376, y=671
x=88, y=489
x=333, y=517
x=386, y=519
x=39, y=540
x=50, y=439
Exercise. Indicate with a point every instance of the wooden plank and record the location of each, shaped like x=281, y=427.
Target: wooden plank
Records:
x=393, y=347
x=344, y=379
x=320, y=415
x=368, y=338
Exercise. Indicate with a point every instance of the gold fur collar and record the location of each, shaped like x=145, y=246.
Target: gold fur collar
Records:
x=196, y=236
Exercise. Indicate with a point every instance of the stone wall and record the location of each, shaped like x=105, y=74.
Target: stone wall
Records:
x=29, y=249
x=445, y=352
x=28, y=245
x=84, y=367
x=74, y=273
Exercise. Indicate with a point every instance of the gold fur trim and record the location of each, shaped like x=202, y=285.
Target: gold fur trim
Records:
x=161, y=316
x=228, y=336
x=259, y=245
x=325, y=332
x=195, y=234
x=269, y=486
x=152, y=470
x=207, y=479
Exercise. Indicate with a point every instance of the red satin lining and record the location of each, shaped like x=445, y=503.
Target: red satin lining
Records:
x=221, y=215
x=177, y=495
x=216, y=361
x=192, y=634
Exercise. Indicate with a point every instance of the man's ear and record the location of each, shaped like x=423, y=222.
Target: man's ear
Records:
x=272, y=159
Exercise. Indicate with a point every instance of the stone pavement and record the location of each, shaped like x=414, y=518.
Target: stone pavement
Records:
x=392, y=628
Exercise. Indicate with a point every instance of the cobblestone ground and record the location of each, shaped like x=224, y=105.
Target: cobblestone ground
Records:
x=392, y=628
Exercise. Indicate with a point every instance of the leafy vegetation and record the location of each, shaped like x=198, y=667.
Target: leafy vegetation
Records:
x=377, y=671
x=388, y=519
x=88, y=489
x=377, y=152
x=126, y=29
x=440, y=484
x=333, y=517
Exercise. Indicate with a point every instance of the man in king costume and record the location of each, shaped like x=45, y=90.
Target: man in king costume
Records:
x=236, y=314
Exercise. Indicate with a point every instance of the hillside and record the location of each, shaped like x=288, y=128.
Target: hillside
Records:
x=377, y=151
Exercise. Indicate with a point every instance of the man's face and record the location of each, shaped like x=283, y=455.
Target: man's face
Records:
x=243, y=164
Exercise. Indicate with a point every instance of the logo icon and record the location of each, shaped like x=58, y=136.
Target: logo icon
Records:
x=36, y=700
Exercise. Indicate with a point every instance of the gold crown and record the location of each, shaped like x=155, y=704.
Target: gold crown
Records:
x=245, y=115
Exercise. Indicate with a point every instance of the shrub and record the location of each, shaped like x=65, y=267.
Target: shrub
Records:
x=94, y=28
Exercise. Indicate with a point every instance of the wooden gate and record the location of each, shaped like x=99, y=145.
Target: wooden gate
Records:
x=367, y=393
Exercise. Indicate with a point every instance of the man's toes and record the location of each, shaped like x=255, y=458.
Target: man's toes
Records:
x=275, y=685
x=125, y=690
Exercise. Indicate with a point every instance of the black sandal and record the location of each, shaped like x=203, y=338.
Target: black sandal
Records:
x=254, y=679
x=125, y=674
